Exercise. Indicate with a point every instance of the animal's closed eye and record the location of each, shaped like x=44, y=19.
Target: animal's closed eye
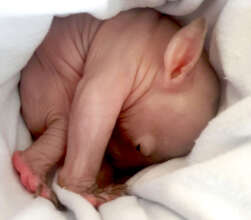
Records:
x=138, y=148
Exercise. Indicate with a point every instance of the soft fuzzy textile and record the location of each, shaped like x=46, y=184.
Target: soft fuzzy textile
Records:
x=212, y=182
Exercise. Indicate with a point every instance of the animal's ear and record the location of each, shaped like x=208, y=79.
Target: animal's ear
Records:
x=183, y=51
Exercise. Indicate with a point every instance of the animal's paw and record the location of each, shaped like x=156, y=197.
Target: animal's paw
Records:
x=30, y=180
x=98, y=196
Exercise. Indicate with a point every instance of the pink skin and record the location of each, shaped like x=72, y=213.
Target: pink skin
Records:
x=134, y=87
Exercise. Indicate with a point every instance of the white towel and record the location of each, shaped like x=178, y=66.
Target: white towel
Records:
x=212, y=182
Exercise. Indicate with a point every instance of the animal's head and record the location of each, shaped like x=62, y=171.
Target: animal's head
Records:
x=166, y=120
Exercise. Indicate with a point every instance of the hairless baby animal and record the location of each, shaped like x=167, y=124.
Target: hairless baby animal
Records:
x=122, y=93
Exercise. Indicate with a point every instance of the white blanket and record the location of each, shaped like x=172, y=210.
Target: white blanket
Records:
x=212, y=182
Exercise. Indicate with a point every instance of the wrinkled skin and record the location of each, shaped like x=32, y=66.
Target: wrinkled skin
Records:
x=134, y=89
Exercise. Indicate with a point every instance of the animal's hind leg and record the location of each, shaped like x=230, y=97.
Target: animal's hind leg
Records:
x=45, y=111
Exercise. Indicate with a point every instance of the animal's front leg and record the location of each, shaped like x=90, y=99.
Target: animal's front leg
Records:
x=96, y=106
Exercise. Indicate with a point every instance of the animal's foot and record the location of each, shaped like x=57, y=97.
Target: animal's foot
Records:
x=92, y=192
x=31, y=177
x=98, y=196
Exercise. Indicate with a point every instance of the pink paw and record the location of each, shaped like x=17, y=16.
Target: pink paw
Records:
x=31, y=181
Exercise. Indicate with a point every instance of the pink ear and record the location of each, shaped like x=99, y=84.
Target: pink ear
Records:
x=183, y=51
